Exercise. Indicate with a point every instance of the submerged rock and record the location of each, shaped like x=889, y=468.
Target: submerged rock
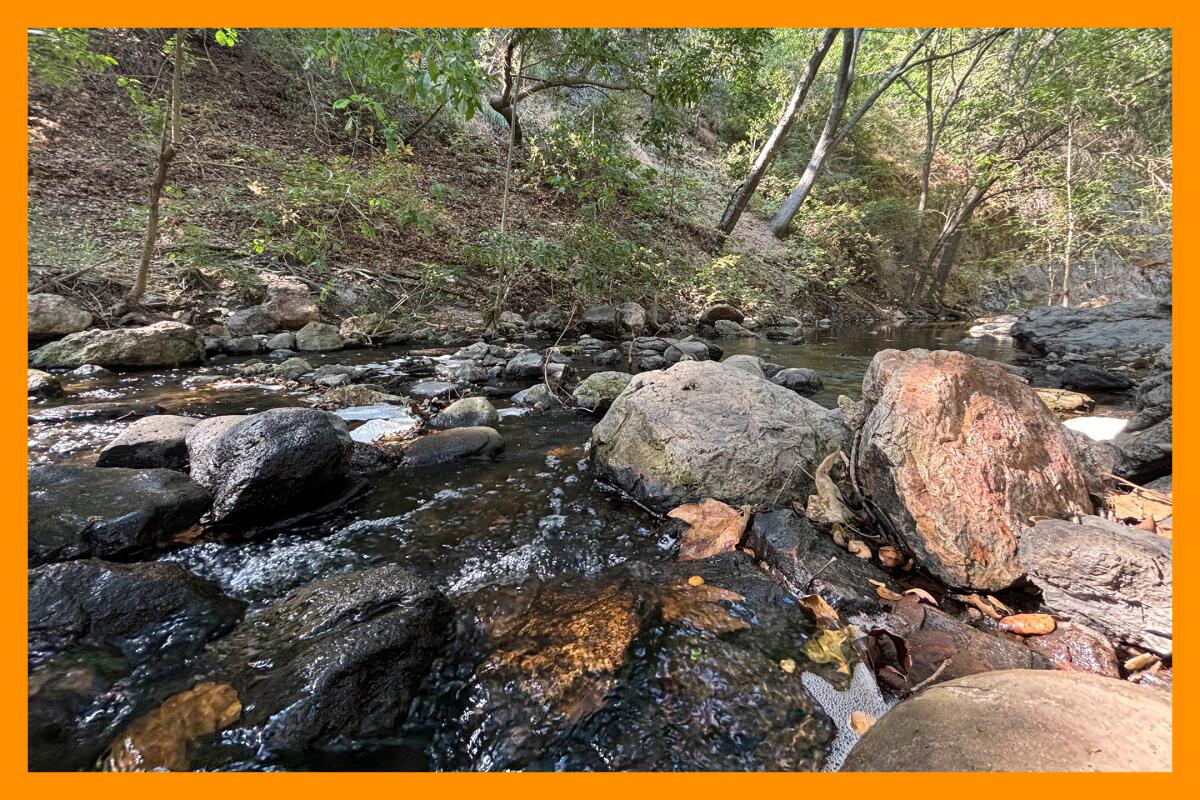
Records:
x=1076, y=648
x=731, y=330
x=163, y=344
x=702, y=429
x=1036, y=721
x=76, y=512
x=958, y=455
x=150, y=442
x=1108, y=576
x=269, y=464
x=52, y=315
x=452, y=445
x=338, y=659
x=43, y=384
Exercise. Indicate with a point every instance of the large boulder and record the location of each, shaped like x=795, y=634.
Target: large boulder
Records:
x=731, y=330
x=144, y=605
x=318, y=337
x=52, y=315
x=338, y=659
x=291, y=302
x=1022, y=721
x=1087, y=376
x=597, y=391
x=702, y=429
x=1105, y=575
x=76, y=512
x=1143, y=451
x=959, y=455
x=469, y=412
x=277, y=461
x=713, y=314
x=163, y=344
x=800, y=380
x=618, y=321
x=1053, y=329
x=150, y=442
x=454, y=445
x=251, y=321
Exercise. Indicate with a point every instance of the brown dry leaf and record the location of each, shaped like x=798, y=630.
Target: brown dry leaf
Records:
x=699, y=607
x=828, y=506
x=975, y=601
x=713, y=527
x=887, y=594
x=160, y=739
x=860, y=548
x=1150, y=510
x=788, y=665
x=695, y=580
x=922, y=595
x=831, y=647
x=860, y=721
x=824, y=614
x=1140, y=662
x=188, y=536
x=890, y=556
x=996, y=604
x=1028, y=624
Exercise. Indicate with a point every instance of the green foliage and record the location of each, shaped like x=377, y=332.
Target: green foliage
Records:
x=61, y=57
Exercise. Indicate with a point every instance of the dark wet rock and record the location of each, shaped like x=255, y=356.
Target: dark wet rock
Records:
x=937, y=641
x=76, y=512
x=150, y=442
x=1144, y=322
x=163, y=344
x=796, y=551
x=1095, y=461
x=597, y=391
x=958, y=456
x=1077, y=648
x=614, y=321
x=243, y=345
x=731, y=330
x=1152, y=401
x=670, y=438
x=367, y=459
x=317, y=336
x=1143, y=455
x=269, y=463
x=251, y=321
x=469, y=412
x=43, y=384
x=802, y=381
x=52, y=315
x=525, y=365
x=721, y=311
x=131, y=607
x=1086, y=376
x=433, y=390
x=750, y=364
x=93, y=412
x=603, y=673
x=692, y=349
x=338, y=659
x=1105, y=575
x=453, y=445
x=653, y=362
x=607, y=358
x=1036, y=721
x=291, y=302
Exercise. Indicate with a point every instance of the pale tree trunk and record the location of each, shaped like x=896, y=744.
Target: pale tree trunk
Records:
x=766, y=155
x=1066, y=276
x=781, y=223
x=945, y=250
x=914, y=248
x=167, y=146
x=507, y=271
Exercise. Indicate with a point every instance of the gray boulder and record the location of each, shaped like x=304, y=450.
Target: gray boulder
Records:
x=271, y=463
x=52, y=315
x=1105, y=575
x=597, y=391
x=454, y=445
x=467, y=413
x=43, y=384
x=731, y=330
x=251, y=321
x=615, y=321
x=318, y=337
x=150, y=442
x=525, y=365
x=292, y=369
x=702, y=429
x=1086, y=376
x=1142, y=322
x=346, y=657
x=282, y=341
x=801, y=380
x=1032, y=720
x=750, y=364
x=539, y=397
x=163, y=344
x=721, y=311
x=112, y=513
x=433, y=390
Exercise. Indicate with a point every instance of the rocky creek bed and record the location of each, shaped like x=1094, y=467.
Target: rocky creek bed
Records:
x=324, y=558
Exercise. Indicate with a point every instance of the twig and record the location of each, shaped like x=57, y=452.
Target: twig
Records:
x=936, y=673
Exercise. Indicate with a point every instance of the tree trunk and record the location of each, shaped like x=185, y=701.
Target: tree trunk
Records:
x=945, y=250
x=762, y=163
x=781, y=223
x=1066, y=278
x=166, y=153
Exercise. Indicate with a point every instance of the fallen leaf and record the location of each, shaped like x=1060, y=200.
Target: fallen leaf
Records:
x=1140, y=662
x=1028, y=624
x=828, y=506
x=699, y=607
x=996, y=604
x=831, y=647
x=713, y=527
x=890, y=556
x=923, y=595
x=788, y=665
x=887, y=594
x=695, y=580
x=860, y=721
x=860, y=548
x=824, y=614
x=188, y=536
x=977, y=602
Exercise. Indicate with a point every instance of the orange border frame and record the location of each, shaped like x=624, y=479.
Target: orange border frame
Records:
x=532, y=13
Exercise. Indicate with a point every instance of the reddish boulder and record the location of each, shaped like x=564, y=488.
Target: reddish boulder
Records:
x=291, y=302
x=959, y=456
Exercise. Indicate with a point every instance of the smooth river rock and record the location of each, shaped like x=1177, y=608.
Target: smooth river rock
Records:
x=163, y=344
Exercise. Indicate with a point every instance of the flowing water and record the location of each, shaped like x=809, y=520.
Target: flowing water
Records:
x=475, y=529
